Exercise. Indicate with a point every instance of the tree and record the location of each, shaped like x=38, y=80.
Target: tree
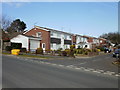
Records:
x=114, y=37
x=16, y=26
x=5, y=22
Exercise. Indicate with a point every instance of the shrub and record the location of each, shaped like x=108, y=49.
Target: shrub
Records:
x=78, y=51
x=94, y=50
x=64, y=53
x=86, y=53
x=23, y=50
x=72, y=52
x=8, y=48
x=48, y=51
x=72, y=47
x=67, y=51
x=89, y=50
x=39, y=51
x=100, y=47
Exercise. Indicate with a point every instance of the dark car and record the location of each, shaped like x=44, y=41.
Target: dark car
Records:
x=107, y=50
x=116, y=53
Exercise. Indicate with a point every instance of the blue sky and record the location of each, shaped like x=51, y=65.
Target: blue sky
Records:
x=85, y=18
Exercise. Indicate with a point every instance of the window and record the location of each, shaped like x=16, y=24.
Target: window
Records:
x=43, y=45
x=38, y=34
x=70, y=36
x=65, y=36
x=58, y=35
x=51, y=45
x=51, y=33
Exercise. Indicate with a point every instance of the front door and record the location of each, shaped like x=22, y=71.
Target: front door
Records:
x=43, y=46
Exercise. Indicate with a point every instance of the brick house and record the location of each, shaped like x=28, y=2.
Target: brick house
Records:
x=52, y=39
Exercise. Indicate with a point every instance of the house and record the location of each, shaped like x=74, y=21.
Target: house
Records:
x=31, y=43
x=82, y=41
x=51, y=39
x=102, y=41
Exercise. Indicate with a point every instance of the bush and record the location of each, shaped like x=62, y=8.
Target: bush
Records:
x=79, y=51
x=86, y=53
x=72, y=52
x=64, y=53
x=39, y=51
x=94, y=50
x=89, y=50
x=72, y=47
x=48, y=51
x=67, y=51
x=23, y=50
x=8, y=48
x=101, y=48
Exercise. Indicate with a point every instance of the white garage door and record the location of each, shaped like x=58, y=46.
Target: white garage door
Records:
x=34, y=44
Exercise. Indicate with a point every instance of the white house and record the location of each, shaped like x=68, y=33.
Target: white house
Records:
x=64, y=38
x=29, y=42
x=82, y=41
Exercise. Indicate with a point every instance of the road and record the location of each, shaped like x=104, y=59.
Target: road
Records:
x=102, y=62
x=21, y=73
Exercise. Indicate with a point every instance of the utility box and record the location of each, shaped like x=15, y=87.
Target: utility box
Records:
x=15, y=51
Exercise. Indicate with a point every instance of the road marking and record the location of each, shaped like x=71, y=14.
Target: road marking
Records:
x=71, y=66
x=77, y=68
x=61, y=65
x=86, y=70
x=53, y=64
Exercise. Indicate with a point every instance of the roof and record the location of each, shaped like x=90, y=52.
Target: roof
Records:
x=48, y=29
x=30, y=37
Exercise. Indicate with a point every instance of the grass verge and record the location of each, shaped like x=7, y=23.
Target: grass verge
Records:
x=29, y=56
x=33, y=56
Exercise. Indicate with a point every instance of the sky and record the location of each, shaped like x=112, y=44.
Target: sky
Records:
x=84, y=18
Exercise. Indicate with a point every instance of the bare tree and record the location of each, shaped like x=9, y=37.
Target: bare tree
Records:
x=5, y=22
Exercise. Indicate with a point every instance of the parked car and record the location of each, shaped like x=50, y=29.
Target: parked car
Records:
x=107, y=50
x=116, y=53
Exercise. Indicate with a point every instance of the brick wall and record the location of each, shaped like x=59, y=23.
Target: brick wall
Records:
x=73, y=39
x=45, y=36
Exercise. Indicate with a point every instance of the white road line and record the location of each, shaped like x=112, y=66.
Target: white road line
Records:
x=61, y=65
x=91, y=69
x=53, y=64
x=77, y=68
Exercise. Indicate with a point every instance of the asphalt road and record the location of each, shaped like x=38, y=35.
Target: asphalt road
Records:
x=103, y=62
x=19, y=73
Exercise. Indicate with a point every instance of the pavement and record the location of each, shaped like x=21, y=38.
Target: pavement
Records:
x=33, y=73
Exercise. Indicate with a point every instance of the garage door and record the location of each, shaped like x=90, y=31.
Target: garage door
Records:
x=34, y=44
